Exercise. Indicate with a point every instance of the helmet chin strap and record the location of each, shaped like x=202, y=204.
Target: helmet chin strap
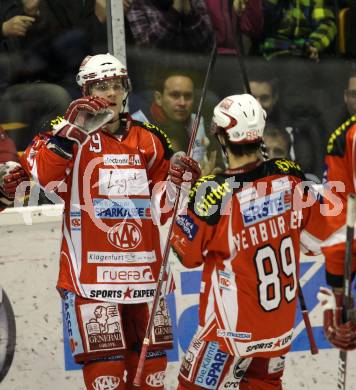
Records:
x=264, y=151
x=123, y=106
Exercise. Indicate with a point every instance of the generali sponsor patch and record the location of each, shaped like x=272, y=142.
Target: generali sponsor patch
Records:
x=102, y=326
x=162, y=330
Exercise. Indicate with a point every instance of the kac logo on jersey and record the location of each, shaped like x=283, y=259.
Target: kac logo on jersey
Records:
x=156, y=379
x=125, y=235
x=188, y=226
x=75, y=220
x=106, y=382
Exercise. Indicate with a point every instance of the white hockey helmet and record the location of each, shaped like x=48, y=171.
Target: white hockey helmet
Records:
x=241, y=117
x=101, y=67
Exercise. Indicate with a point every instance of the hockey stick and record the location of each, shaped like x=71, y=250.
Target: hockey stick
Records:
x=347, y=299
x=240, y=54
x=146, y=341
x=303, y=308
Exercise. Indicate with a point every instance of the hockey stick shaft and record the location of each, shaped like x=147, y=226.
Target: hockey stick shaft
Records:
x=146, y=342
x=350, y=223
x=240, y=55
x=303, y=307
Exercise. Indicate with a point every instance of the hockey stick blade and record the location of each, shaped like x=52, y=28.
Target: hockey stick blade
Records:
x=350, y=223
x=303, y=307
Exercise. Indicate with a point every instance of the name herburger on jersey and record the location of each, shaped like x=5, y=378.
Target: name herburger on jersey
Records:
x=264, y=231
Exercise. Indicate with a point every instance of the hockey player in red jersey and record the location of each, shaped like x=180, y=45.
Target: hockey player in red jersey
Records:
x=246, y=227
x=11, y=172
x=340, y=166
x=108, y=169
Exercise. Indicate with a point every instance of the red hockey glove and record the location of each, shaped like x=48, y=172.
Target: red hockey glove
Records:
x=11, y=175
x=83, y=117
x=341, y=335
x=183, y=169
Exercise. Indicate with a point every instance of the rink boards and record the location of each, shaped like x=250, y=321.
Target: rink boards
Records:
x=29, y=241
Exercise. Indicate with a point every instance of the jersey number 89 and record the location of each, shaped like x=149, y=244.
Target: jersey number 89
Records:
x=271, y=265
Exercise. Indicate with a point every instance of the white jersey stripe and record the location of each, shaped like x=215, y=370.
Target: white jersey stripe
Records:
x=73, y=259
x=218, y=299
x=74, y=280
x=153, y=159
x=76, y=233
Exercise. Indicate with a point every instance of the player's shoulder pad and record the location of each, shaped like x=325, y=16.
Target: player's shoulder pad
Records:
x=56, y=121
x=207, y=196
x=282, y=166
x=160, y=134
x=337, y=140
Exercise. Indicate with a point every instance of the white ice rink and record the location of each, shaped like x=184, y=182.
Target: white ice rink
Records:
x=28, y=272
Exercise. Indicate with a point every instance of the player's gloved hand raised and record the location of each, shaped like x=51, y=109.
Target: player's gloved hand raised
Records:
x=11, y=175
x=84, y=116
x=341, y=334
x=183, y=169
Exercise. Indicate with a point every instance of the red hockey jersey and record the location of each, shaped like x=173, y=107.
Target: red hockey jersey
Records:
x=340, y=168
x=111, y=245
x=246, y=227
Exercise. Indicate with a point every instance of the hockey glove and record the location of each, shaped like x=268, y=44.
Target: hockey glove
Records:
x=83, y=117
x=183, y=169
x=341, y=334
x=11, y=175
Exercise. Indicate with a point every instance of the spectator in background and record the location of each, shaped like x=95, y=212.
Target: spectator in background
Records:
x=298, y=28
x=22, y=100
x=347, y=108
x=277, y=141
x=170, y=24
x=350, y=95
x=230, y=18
x=265, y=90
x=67, y=31
x=172, y=110
x=302, y=122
